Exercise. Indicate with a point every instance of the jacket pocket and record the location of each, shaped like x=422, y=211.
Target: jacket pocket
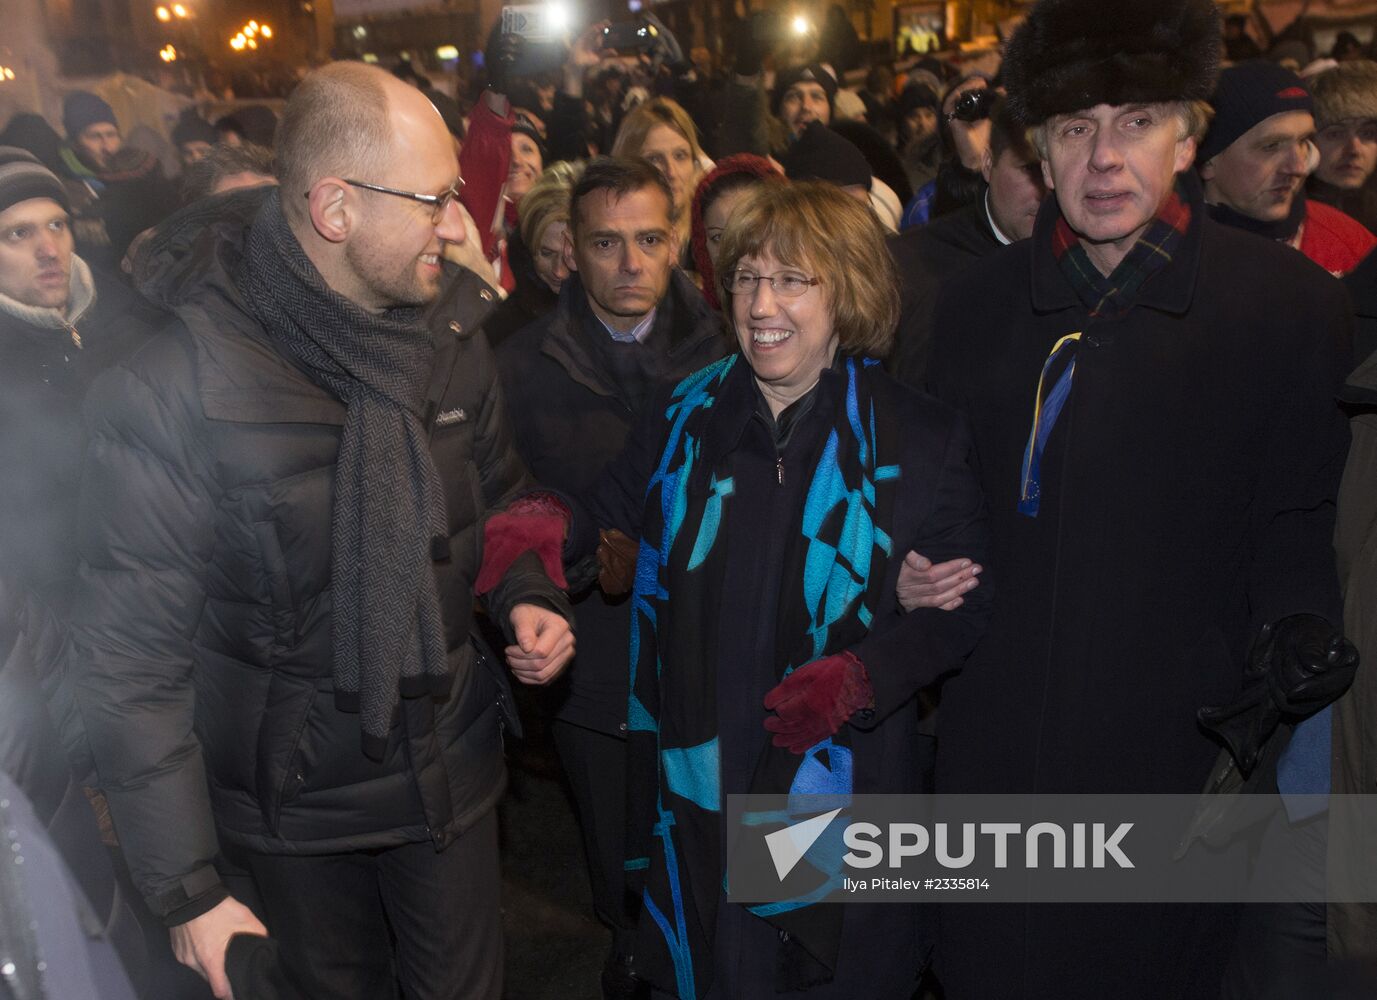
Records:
x=281, y=767
x=282, y=610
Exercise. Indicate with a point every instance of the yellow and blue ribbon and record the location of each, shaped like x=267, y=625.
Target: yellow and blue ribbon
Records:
x=1046, y=409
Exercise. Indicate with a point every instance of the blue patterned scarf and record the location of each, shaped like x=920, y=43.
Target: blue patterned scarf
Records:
x=833, y=576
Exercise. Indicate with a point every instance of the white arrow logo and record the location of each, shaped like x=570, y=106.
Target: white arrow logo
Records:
x=788, y=846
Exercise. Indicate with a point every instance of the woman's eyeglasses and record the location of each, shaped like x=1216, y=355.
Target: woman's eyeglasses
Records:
x=788, y=284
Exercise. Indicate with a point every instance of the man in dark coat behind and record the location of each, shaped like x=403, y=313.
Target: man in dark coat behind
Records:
x=926, y=256
x=283, y=515
x=60, y=325
x=575, y=381
x=1151, y=396
x=117, y=191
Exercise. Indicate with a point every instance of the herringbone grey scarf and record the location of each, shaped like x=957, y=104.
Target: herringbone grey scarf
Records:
x=389, y=511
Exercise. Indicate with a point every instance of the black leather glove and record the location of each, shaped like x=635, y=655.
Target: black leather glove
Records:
x=1311, y=665
x=1297, y=666
x=504, y=51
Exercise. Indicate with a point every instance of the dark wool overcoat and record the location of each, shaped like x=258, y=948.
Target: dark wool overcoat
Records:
x=571, y=413
x=1187, y=498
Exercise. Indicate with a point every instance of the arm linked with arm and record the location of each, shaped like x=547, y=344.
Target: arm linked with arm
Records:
x=905, y=652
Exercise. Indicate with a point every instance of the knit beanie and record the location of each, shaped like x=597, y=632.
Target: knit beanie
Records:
x=819, y=73
x=526, y=123
x=81, y=109
x=1249, y=93
x=820, y=154
x=915, y=96
x=1348, y=91
x=194, y=128
x=22, y=177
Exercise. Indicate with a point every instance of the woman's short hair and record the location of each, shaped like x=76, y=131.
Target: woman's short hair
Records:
x=645, y=116
x=547, y=202
x=819, y=228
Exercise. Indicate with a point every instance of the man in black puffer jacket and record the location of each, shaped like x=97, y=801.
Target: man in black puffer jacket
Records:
x=283, y=520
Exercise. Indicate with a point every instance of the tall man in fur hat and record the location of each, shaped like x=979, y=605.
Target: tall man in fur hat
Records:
x=1151, y=396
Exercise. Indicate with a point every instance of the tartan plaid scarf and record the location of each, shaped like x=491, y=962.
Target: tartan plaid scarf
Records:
x=1112, y=297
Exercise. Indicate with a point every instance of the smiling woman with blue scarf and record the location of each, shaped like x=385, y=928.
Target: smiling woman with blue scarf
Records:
x=774, y=494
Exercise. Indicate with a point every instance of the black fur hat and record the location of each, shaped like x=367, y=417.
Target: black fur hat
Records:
x=1074, y=54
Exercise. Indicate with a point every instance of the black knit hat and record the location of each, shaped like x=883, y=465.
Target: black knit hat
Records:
x=1247, y=94
x=917, y=95
x=525, y=123
x=193, y=128
x=818, y=73
x=820, y=154
x=22, y=177
x=1074, y=54
x=81, y=109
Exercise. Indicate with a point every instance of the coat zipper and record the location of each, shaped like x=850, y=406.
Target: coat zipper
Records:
x=76, y=337
x=779, y=468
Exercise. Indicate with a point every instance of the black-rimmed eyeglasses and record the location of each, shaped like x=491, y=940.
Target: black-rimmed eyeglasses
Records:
x=437, y=202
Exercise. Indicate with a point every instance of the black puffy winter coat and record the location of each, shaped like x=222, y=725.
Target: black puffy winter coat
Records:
x=203, y=618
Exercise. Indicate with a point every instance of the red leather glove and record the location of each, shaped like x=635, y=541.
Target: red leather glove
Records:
x=535, y=523
x=812, y=702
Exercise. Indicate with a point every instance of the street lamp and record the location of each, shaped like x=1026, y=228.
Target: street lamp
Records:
x=167, y=54
x=163, y=14
x=249, y=35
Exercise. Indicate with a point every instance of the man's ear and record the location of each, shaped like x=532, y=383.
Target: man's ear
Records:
x=567, y=250
x=1047, y=175
x=1185, y=154
x=331, y=214
x=986, y=164
x=1207, y=170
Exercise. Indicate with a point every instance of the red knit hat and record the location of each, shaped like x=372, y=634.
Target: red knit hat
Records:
x=738, y=164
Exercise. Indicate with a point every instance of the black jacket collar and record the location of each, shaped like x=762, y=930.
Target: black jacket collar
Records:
x=739, y=399
x=1171, y=290
x=684, y=319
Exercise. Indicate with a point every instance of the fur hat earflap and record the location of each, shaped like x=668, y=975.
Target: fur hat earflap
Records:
x=1074, y=54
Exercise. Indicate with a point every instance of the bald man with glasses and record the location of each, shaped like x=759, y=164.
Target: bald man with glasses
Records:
x=284, y=520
